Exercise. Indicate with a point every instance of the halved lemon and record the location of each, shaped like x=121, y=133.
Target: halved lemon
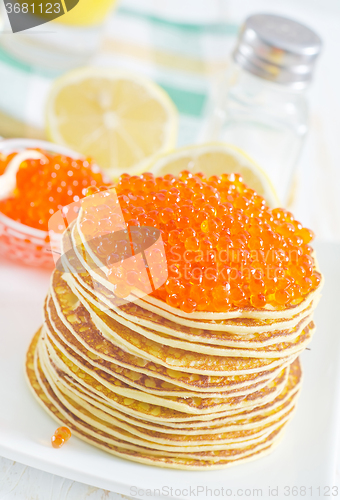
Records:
x=217, y=159
x=121, y=120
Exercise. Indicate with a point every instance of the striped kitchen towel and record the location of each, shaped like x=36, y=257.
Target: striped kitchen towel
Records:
x=186, y=52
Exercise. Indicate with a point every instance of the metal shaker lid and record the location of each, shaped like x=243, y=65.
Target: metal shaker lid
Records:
x=277, y=48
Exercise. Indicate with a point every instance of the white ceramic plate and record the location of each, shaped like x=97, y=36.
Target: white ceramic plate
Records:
x=306, y=457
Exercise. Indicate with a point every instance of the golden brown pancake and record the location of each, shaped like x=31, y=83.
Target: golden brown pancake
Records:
x=155, y=385
x=190, y=460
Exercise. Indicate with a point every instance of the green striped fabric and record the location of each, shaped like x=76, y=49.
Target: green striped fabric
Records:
x=183, y=58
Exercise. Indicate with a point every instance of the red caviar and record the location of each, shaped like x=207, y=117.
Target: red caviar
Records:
x=45, y=186
x=60, y=437
x=225, y=247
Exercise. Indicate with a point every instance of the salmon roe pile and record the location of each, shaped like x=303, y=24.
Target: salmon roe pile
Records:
x=60, y=437
x=45, y=186
x=225, y=248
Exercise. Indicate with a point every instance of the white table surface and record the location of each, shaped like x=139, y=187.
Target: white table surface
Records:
x=317, y=203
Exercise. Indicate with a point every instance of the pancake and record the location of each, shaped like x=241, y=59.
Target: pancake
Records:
x=75, y=331
x=277, y=343
x=153, y=383
x=187, y=460
x=124, y=395
x=102, y=420
x=74, y=239
x=234, y=322
x=158, y=383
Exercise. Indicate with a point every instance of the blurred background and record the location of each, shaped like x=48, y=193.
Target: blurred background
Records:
x=185, y=46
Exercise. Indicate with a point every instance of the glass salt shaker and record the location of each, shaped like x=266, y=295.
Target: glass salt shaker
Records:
x=262, y=108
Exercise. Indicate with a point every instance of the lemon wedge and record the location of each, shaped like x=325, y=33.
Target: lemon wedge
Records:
x=217, y=159
x=121, y=120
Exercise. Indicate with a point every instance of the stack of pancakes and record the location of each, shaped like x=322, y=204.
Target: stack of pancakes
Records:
x=159, y=386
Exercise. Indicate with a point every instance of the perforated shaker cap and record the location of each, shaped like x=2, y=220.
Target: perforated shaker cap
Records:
x=277, y=48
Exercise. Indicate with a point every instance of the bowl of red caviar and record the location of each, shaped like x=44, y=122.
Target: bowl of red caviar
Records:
x=53, y=178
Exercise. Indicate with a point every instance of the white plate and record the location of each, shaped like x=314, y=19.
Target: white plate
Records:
x=305, y=458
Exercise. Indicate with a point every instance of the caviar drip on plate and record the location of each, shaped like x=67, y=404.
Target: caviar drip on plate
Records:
x=47, y=185
x=60, y=437
x=225, y=248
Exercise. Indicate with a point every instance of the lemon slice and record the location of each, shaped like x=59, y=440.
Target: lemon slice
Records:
x=121, y=120
x=217, y=159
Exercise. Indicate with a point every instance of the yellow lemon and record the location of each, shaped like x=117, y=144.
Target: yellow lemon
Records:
x=121, y=120
x=217, y=159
